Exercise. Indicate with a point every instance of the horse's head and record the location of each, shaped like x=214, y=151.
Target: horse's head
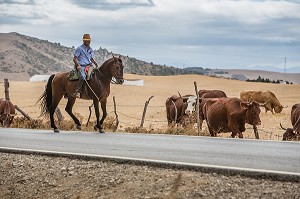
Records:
x=117, y=70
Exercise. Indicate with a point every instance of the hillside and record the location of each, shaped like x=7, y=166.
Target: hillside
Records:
x=22, y=57
x=243, y=75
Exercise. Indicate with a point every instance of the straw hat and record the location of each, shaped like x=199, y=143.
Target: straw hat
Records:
x=86, y=37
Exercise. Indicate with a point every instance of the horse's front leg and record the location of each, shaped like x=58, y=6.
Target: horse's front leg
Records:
x=96, y=106
x=103, y=107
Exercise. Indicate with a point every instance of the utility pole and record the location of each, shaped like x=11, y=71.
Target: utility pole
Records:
x=285, y=65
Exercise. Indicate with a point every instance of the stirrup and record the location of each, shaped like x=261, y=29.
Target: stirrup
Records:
x=78, y=95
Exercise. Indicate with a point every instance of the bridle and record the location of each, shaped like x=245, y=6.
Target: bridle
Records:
x=113, y=80
x=110, y=80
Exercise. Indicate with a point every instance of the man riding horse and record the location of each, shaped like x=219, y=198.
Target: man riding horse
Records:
x=97, y=88
x=83, y=59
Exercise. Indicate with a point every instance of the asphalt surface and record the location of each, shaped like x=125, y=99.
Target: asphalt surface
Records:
x=254, y=155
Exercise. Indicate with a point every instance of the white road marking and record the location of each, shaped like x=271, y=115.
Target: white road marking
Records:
x=154, y=161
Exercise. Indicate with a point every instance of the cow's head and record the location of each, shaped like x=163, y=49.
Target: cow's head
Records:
x=191, y=102
x=289, y=134
x=252, y=113
x=278, y=109
x=296, y=127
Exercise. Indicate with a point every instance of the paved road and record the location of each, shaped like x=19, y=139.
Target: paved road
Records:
x=203, y=151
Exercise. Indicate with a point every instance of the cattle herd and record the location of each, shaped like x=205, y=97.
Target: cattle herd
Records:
x=225, y=114
x=222, y=113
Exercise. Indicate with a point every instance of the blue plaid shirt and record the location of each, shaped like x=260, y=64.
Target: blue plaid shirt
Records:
x=84, y=55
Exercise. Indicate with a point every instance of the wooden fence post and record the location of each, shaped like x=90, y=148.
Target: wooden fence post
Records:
x=117, y=117
x=6, y=91
x=145, y=110
x=22, y=112
x=58, y=114
x=90, y=109
x=197, y=109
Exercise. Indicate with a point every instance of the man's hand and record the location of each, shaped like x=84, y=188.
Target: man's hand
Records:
x=78, y=67
x=94, y=62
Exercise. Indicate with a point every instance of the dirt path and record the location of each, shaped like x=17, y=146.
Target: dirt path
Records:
x=28, y=176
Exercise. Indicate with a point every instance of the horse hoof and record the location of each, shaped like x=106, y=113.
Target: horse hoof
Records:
x=101, y=130
x=78, y=127
x=95, y=128
x=56, y=130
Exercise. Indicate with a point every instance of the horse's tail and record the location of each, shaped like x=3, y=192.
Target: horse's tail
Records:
x=46, y=98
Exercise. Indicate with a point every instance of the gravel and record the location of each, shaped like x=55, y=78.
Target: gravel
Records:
x=36, y=176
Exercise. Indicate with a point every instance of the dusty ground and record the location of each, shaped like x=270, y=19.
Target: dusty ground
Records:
x=28, y=176
x=131, y=99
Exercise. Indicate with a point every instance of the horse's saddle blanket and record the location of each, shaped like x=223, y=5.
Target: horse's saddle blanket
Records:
x=73, y=75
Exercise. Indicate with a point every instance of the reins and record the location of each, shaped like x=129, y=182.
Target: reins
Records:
x=91, y=89
x=110, y=80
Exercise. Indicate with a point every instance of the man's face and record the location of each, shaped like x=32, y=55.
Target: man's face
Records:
x=87, y=43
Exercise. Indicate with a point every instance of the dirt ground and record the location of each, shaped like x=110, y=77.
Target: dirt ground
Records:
x=131, y=99
x=33, y=176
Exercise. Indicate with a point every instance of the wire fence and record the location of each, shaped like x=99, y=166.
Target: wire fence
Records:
x=142, y=118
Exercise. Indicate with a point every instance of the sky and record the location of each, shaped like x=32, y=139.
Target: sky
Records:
x=207, y=33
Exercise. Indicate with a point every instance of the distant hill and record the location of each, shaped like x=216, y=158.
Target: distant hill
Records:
x=253, y=74
x=275, y=69
x=22, y=57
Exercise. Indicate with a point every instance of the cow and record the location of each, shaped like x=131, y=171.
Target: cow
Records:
x=267, y=98
x=288, y=134
x=7, y=112
x=230, y=115
x=292, y=133
x=183, y=105
x=295, y=118
x=201, y=105
x=211, y=94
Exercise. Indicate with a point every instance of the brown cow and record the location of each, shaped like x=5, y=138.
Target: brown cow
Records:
x=230, y=115
x=201, y=111
x=7, y=112
x=267, y=98
x=211, y=94
x=292, y=133
x=288, y=134
x=295, y=118
x=184, y=106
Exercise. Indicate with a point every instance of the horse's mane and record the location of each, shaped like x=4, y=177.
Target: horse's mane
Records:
x=106, y=62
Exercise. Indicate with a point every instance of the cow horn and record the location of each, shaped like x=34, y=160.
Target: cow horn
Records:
x=282, y=127
x=179, y=94
x=250, y=102
x=296, y=124
x=264, y=104
x=284, y=106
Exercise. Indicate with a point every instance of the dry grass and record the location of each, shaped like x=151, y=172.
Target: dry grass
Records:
x=131, y=99
x=66, y=125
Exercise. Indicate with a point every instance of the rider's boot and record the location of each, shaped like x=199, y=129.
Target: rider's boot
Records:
x=79, y=87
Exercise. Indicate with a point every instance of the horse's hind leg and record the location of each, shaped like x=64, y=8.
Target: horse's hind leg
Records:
x=69, y=107
x=55, y=102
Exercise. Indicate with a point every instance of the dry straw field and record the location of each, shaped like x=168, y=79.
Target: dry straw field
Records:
x=131, y=99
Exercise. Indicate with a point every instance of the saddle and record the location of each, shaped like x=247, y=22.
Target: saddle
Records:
x=73, y=74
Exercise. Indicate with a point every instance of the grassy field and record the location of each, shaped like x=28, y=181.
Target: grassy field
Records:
x=130, y=100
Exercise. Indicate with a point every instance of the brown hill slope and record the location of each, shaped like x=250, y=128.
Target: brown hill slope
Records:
x=22, y=57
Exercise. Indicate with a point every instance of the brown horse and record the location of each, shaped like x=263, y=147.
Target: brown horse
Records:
x=58, y=85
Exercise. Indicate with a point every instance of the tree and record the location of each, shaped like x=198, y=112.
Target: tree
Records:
x=259, y=79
